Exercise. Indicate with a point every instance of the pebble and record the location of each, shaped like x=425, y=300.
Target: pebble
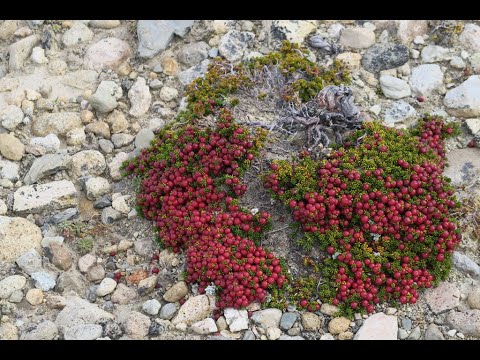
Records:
x=147, y=285
x=402, y=334
x=10, y=284
x=194, y=309
x=267, y=318
x=168, y=311
x=108, y=53
x=34, y=296
x=105, y=98
x=60, y=256
x=8, y=332
x=192, y=54
x=415, y=334
x=433, y=333
x=287, y=320
x=327, y=336
x=357, y=38
x=176, y=292
x=236, y=319
x=137, y=325
x=140, y=98
x=30, y=261
x=470, y=37
x=338, y=325
x=384, y=57
x=11, y=147
x=394, y=88
x=107, y=286
x=45, y=330
x=467, y=322
x=426, y=79
x=123, y=295
x=151, y=307
x=399, y=112
x=311, y=321
x=95, y=273
x=77, y=34
x=43, y=280
x=464, y=100
x=273, y=333
x=204, y=327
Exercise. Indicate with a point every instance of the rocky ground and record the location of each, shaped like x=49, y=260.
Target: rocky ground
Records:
x=77, y=98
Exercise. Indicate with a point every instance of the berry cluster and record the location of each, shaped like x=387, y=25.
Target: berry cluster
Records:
x=191, y=179
x=379, y=208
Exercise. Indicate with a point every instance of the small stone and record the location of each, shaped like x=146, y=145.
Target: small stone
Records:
x=338, y=325
x=105, y=98
x=7, y=29
x=378, y=327
x=114, y=165
x=287, y=320
x=461, y=261
x=144, y=138
x=168, y=311
x=187, y=76
x=9, y=170
x=119, y=203
x=16, y=296
x=467, y=322
x=140, y=98
x=168, y=93
x=402, y=334
x=399, y=112
x=327, y=336
x=267, y=318
x=415, y=334
x=76, y=137
x=347, y=335
x=51, y=142
x=77, y=34
x=204, y=327
x=95, y=273
x=194, y=309
x=294, y=31
x=107, y=53
x=117, y=121
x=394, y=88
x=137, y=325
x=170, y=66
x=434, y=53
x=192, y=54
x=351, y=59
x=442, y=298
x=151, y=307
x=21, y=50
x=357, y=38
x=96, y=187
x=56, y=123
x=71, y=281
x=83, y=332
x=426, y=79
x=18, y=235
x=107, y=286
x=106, y=146
x=60, y=256
x=45, y=330
x=473, y=299
x=221, y=323
x=464, y=100
x=98, y=128
x=11, y=284
x=452, y=332
x=147, y=285
x=123, y=294
x=407, y=30
x=8, y=332
x=470, y=37
x=176, y=292
x=236, y=319
x=11, y=147
x=85, y=262
x=47, y=165
x=433, y=333
x=234, y=43
x=249, y=335
x=407, y=324
x=311, y=321
x=30, y=261
x=11, y=116
x=273, y=333
x=34, y=296
x=43, y=280
x=328, y=309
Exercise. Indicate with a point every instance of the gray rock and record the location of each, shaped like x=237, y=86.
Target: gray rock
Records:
x=155, y=35
x=120, y=140
x=54, y=195
x=442, y=298
x=16, y=296
x=267, y=318
x=47, y=165
x=433, y=333
x=234, y=43
x=470, y=37
x=465, y=264
x=107, y=53
x=30, y=262
x=193, y=53
x=378, y=327
x=249, y=335
x=51, y=142
x=143, y=138
x=286, y=337
x=21, y=50
x=464, y=100
x=105, y=98
x=79, y=311
x=10, y=284
x=110, y=215
x=415, y=334
x=71, y=281
x=384, y=57
x=45, y=330
x=103, y=202
x=287, y=320
x=11, y=117
x=187, y=76
x=95, y=273
x=83, y=332
x=407, y=324
x=168, y=311
x=464, y=167
x=9, y=170
x=146, y=286
x=357, y=38
x=426, y=79
x=107, y=286
x=43, y=280
x=400, y=111
x=467, y=322
x=435, y=53
x=140, y=98
x=56, y=123
x=77, y=34
x=96, y=187
x=18, y=235
x=394, y=88
x=151, y=307
x=402, y=334
x=105, y=145
x=62, y=216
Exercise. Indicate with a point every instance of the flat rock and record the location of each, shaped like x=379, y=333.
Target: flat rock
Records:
x=56, y=123
x=194, y=309
x=204, y=327
x=155, y=35
x=236, y=319
x=267, y=318
x=467, y=322
x=426, y=79
x=78, y=33
x=43, y=280
x=11, y=284
x=17, y=236
x=140, y=98
x=11, y=147
x=45, y=330
x=463, y=166
x=176, y=292
x=46, y=165
x=54, y=195
x=29, y=261
x=433, y=333
x=435, y=53
x=384, y=57
x=465, y=264
x=79, y=311
x=394, y=88
x=464, y=100
x=107, y=53
x=378, y=327
x=442, y=298
x=287, y=320
x=357, y=38
x=83, y=332
x=87, y=163
x=21, y=50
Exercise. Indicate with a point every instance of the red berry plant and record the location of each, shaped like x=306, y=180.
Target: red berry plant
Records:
x=379, y=208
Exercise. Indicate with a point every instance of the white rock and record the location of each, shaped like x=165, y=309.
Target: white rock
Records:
x=35, y=198
x=96, y=187
x=204, y=327
x=434, y=53
x=51, y=142
x=137, y=325
x=457, y=62
x=273, y=333
x=114, y=165
x=140, y=98
x=38, y=55
x=473, y=125
x=394, y=88
x=9, y=170
x=11, y=284
x=79, y=311
x=85, y=262
x=168, y=93
x=151, y=307
x=77, y=34
x=267, y=318
x=194, y=309
x=378, y=327
x=375, y=109
x=83, y=332
x=327, y=336
x=357, y=38
x=43, y=280
x=400, y=111
x=470, y=37
x=407, y=30
x=11, y=116
x=119, y=203
x=29, y=262
x=3, y=207
x=464, y=100
x=236, y=319
x=426, y=79
x=107, y=286
x=107, y=53
x=87, y=163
